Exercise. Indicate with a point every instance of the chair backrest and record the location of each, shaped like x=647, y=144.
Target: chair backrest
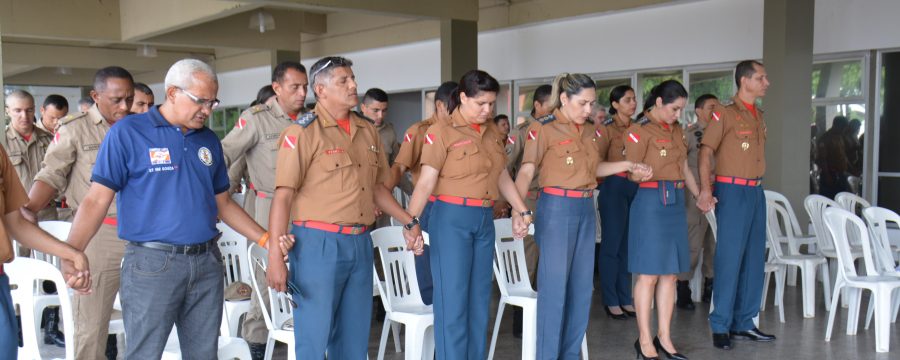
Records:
x=878, y=219
x=233, y=247
x=59, y=230
x=24, y=276
x=279, y=310
x=851, y=202
x=840, y=223
x=509, y=259
x=713, y=225
x=401, y=283
x=777, y=216
x=783, y=201
x=815, y=206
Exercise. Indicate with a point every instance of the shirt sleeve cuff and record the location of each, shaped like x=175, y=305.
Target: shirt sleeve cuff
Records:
x=105, y=182
x=221, y=189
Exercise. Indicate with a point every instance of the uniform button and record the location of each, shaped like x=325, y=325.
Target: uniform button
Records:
x=360, y=214
x=363, y=189
x=335, y=165
x=358, y=165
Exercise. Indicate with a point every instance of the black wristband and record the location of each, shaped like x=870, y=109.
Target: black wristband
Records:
x=412, y=224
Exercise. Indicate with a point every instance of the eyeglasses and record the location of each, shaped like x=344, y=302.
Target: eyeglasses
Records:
x=211, y=104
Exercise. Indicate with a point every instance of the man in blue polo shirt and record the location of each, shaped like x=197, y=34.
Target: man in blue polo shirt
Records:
x=170, y=176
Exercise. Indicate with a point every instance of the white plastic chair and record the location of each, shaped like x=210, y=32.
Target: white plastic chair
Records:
x=791, y=234
x=851, y=202
x=878, y=219
x=401, y=297
x=807, y=264
x=278, y=313
x=233, y=247
x=59, y=230
x=882, y=287
x=511, y=275
x=24, y=276
x=229, y=348
x=815, y=206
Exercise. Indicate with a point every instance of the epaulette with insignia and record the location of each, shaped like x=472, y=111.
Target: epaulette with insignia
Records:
x=546, y=119
x=608, y=121
x=360, y=114
x=726, y=102
x=643, y=120
x=259, y=108
x=306, y=119
x=71, y=117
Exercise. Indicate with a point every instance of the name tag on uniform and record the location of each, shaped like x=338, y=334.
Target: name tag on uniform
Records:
x=334, y=151
x=160, y=156
x=90, y=147
x=461, y=143
x=272, y=136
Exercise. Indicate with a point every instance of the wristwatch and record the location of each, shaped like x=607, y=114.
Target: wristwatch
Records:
x=526, y=213
x=412, y=224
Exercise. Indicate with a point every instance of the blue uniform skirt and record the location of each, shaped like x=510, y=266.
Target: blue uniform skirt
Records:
x=657, y=231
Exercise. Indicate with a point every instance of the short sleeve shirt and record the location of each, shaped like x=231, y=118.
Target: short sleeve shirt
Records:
x=27, y=155
x=14, y=196
x=469, y=162
x=166, y=180
x=333, y=173
x=411, y=148
x=738, y=138
x=567, y=155
x=613, y=130
x=659, y=145
x=255, y=137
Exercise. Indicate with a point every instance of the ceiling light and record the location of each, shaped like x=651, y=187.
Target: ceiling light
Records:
x=262, y=21
x=146, y=51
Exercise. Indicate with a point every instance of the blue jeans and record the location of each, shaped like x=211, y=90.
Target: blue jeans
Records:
x=334, y=306
x=423, y=262
x=565, y=233
x=9, y=329
x=740, y=258
x=462, y=256
x=161, y=288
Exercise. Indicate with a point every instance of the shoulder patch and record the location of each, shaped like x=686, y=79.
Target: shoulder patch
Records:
x=635, y=138
x=608, y=121
x=71, y=117
x=259, y=108
x=715, y=116
x=544, y=120
x=306, y=119
x=643, y=120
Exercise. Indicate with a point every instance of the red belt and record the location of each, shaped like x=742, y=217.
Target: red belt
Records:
x=1, y=269
x=431, y=198
x=456, y=200
x=655, y=184
x=738, y=181
x=250, y=186
x=263, y=195
x=111, y=221
x=569, y=193
x=532, y=195
x=623, y=174
x=335, y=228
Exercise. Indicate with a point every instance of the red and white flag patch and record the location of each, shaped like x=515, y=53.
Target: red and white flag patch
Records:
x=56, y=137
x=407, y=138
x=598, y=133
x=716, y=116
x=429, y=139
x=532, y=134
x=241, y=123
x=290, y=142
x=510, y=139
x=634, y=137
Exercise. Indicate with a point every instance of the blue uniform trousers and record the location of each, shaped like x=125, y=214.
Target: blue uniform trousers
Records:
x=565, y=231
x=334, y=306
x=740, y=257
x=423, y=262
x=613, y=203
x=9, y=329
x=462, y=255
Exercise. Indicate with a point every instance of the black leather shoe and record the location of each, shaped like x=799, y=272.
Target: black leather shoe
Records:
x=722, y=341
x=753, y=335
x=706, y=296
x=614, y=316
x=684, y=301
x=629, y=313
x=52, y=336
x=666, y=353
x=112, y=348
x=640, y=353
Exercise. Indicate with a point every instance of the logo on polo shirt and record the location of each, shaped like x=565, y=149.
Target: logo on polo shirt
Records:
x=205, y=156
x=160, y=156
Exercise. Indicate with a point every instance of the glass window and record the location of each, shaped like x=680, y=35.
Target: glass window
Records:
x=837, y=79
x=650, y=79
x=718, y=83
x=888, y=130
x=836, y=150
x=222, y=120
x=604, y=87
x=525, y=102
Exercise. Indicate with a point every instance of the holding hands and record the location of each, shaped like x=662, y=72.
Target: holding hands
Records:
x=642, y=171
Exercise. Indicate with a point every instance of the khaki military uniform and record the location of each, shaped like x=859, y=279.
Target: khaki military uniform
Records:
x=26, y=157
x=700, y=236
x=392, y=148
x=532, y=252
x=12, y=198
x=253, y=145
x=67, y=168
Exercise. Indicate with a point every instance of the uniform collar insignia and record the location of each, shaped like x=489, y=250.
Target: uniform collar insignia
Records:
x=306, y=119
x=608, y=121
x=546, y=119
x=643, y=120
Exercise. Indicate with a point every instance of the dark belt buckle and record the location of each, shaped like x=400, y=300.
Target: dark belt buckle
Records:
x=485, y=203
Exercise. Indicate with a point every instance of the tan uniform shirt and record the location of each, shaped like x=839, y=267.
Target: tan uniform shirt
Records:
x=410, y=152
x=388, y=140
x=661, y=146
x=72, y=154
x=566, y=154
x=470, y=162
x=614, y=130
x=738, y=139
x=514, y=145
x=694, y=137
x=12, y=198
x=255, y=136
x=523, y=136
x=26, y=156
x=333, y=171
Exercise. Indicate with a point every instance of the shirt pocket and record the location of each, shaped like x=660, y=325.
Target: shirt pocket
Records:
x=660, y=155
x=373, y=160
x=16, y=159
x=461, y=161
x=567, y=156
x=337, y=167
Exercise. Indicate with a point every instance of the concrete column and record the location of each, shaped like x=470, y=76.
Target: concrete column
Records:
x=459, y=48
x=788, y=57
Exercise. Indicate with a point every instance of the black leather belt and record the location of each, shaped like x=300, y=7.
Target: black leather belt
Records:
x=196, y=249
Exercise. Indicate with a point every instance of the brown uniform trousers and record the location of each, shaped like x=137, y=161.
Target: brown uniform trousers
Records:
x=67, y=167
x=700, y=236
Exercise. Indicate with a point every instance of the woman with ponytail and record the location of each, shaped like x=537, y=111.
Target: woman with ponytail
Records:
x=464, y=171
x=566, y=153
x=657, y=233
x=616, y=193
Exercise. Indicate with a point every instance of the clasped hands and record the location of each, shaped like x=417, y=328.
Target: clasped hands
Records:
x=643, y=171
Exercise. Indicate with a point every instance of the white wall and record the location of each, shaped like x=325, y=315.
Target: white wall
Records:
x=685, y=33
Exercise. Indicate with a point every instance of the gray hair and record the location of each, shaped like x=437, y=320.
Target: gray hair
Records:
x=19, y=94
x=181, y=74
x=320, y=72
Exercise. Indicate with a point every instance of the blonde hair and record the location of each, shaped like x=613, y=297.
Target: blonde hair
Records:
x=571, y=84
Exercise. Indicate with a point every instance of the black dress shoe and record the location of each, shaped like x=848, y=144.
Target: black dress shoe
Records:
x=753, y=335
x=722, y=341
x=640, y=353
x=614, y=316
x=707, y=290
x=629, y=313
x=666, y=353
x=684, y=302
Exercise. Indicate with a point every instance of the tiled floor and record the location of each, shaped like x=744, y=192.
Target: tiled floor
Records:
x=798, y=338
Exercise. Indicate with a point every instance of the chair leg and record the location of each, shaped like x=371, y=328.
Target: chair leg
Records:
x=779, y=292
x=882, y=297
x=428, y=350
x=896, y=306
x=869, y=312
x=500, y=308
x=832, y=310
x=826, y=283
x=395, y=328
x=765, y=291
x=270, y=347
x=382, y=344
x=853, y=300
x=415, y=340
x=792, y=276
x=529, y=332
x=808, y=273
x=584, y=348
